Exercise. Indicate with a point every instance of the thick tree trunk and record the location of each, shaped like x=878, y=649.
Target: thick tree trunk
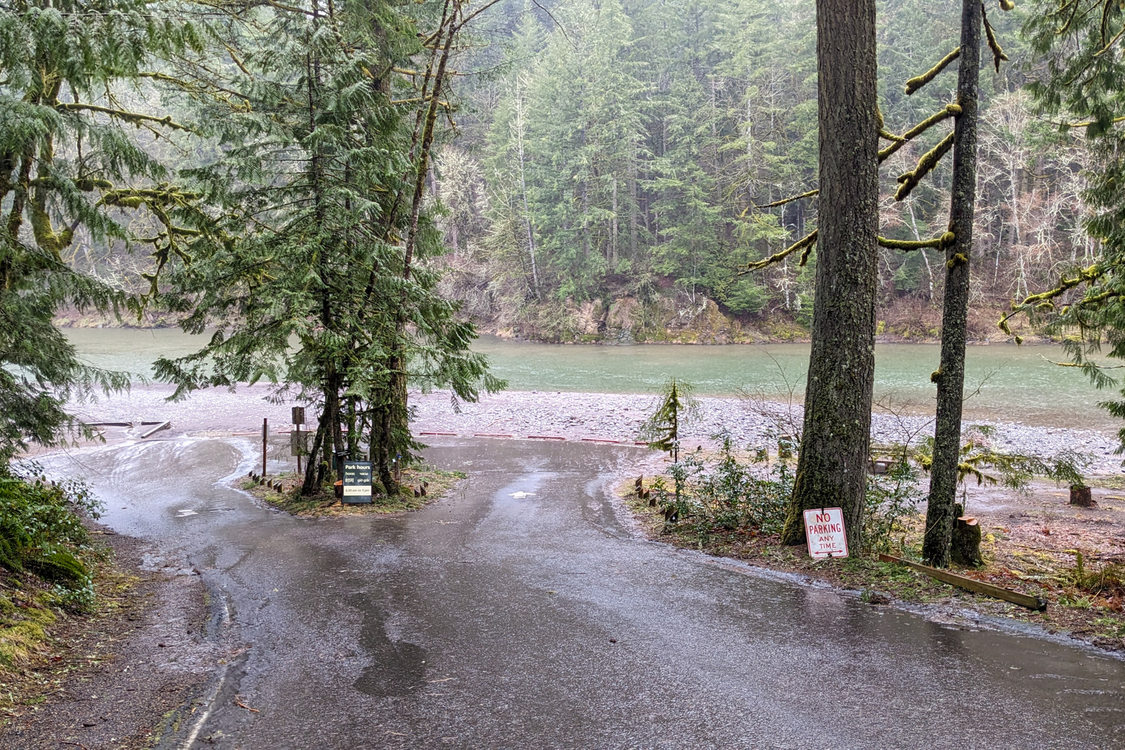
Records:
x=950, y=377
x=832, y=466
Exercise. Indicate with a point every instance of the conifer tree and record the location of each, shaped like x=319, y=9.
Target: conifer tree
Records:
x=832, y=465
x=1082, y=43
x=71, y=167
x=317, y=270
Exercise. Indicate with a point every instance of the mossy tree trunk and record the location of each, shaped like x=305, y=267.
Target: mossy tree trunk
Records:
x=831, y=468
x=950, y=377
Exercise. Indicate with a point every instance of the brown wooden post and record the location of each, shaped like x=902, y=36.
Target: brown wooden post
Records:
x=265, y=435
x=298, y=419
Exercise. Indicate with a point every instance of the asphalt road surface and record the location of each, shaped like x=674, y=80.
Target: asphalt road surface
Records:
x=521, y=612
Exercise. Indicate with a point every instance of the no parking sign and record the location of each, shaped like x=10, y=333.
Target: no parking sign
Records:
x=824, y=530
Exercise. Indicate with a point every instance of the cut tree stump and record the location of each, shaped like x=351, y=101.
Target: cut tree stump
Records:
x=1082, y=496
x=965, y=544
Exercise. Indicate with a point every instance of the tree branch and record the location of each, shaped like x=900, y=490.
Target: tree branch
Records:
x=1087, y=275
x=937, y=243
x=909, y=180
x=790, y=199
x=805, y=243
x=997, y=52
x=951, y=110
x=897, y=142
x=919, y=81
x=136, y=118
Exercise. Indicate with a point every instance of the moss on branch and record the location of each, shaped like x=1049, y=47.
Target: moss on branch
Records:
x=136, y=118
x=918, y=82
x=997, y=52
x=808, y=194
x=936, y=242
x=950, y=110
x=1033, y=302
x=909, y=180
x=805, y=243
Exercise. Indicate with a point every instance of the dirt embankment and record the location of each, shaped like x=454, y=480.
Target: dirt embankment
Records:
x=119, y=678
x=670, y=315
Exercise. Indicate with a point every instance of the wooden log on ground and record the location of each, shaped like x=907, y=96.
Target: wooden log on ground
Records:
x=1037, y=603
x=160, y=426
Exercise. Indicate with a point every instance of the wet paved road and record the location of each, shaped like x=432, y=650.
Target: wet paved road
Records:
x=520, y=613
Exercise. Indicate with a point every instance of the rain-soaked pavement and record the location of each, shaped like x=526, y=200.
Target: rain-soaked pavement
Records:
x=521, y=613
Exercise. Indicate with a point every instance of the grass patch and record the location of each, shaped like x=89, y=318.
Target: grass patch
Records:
x=23, y=626
x=436, y=482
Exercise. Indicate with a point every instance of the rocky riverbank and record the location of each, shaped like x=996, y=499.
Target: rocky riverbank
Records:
x=579, y=416
x=618, y=417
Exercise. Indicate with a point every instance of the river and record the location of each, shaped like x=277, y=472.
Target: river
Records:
x=1007, y=383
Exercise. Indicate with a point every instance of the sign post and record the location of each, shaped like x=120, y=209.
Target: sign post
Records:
x=357, y=481
x=299, y=443
x=824, y=531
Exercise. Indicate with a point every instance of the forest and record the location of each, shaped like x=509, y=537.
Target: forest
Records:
x=616, y=161
x=604, y=169
x=341, y=195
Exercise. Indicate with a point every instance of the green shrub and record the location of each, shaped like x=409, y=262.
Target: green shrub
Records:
x=41, y=533
x=891, y=499
x=727, y=494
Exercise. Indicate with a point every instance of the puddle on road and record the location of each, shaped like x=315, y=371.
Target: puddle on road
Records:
x=397, y=667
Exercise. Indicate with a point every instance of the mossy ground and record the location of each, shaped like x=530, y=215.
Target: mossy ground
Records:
x=32, y=624
x=437, y=484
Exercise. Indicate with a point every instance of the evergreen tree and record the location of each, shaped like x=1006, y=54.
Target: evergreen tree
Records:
x=950, y=376
x=1081, y=87
x=69, y=168
x=317, y=270
x=832, y=465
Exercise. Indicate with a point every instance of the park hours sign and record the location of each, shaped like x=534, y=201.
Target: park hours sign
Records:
x=357, y=481
x=824, y=530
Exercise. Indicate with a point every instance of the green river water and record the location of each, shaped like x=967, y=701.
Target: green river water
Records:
x=1011, y=383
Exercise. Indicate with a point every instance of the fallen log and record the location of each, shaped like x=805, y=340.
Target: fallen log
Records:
x=159, y=426
x=1037, y=603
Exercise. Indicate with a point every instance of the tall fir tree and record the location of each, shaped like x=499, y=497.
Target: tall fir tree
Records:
x=316, y=272
x=71, y=170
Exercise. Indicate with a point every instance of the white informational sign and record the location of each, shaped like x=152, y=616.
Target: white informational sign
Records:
x=824, y=530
